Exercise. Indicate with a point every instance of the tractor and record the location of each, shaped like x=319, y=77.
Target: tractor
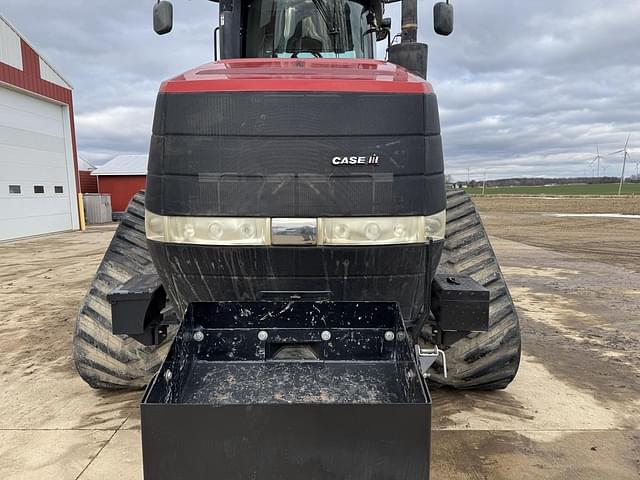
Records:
x=296, y=276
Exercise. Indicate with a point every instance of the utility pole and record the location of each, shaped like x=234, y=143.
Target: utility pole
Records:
x=468, y=176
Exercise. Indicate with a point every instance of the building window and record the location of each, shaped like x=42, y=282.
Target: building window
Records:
x=38, y=189
x=58, y=189
x=15, y=189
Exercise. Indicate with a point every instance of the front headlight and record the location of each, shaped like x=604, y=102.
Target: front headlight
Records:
x=369, y=230
x=381, y=230
x=435, y=226
x=330, y=231
x=207, y=230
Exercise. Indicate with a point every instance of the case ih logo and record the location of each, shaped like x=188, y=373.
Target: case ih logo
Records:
x=370, y=160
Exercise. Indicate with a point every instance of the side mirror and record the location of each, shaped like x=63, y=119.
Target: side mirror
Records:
x=163, y=17
x=384, y=30
x=443, y=18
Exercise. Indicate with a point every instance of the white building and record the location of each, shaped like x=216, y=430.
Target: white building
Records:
x=38, y=179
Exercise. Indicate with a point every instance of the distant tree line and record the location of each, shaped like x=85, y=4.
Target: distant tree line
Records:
x=536, y=181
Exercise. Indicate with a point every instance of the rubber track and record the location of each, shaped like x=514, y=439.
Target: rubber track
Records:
x=105, y=360
x=487, y=360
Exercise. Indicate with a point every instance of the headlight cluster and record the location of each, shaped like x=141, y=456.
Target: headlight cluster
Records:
x=330, y=231
x=207, y=230
x=369, y=231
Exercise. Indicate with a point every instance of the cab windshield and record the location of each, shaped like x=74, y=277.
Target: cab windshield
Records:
x=308, y=29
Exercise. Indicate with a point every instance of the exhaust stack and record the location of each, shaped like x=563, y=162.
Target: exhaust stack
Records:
x=411, y=54
x=409, y=21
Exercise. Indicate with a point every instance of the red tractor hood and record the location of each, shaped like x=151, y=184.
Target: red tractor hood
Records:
x=298, y=75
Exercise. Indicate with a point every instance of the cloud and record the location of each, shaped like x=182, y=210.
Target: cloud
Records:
x=129, y=127
x=530, y=88
x=114, y=60
x=525, y=88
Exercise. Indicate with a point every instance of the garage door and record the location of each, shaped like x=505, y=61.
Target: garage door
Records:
x=37, y=193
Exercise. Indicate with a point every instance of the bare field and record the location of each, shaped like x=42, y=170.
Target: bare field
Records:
x=529, y=221
x=572, y=412
x=561, y=189
x=530, y=204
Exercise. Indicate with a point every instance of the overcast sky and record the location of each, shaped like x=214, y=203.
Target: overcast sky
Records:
x=525, y=87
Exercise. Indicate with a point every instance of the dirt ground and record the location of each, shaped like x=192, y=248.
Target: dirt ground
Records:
x=572, y=412
x=535, y=221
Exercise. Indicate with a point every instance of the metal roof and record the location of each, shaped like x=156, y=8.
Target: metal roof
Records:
x=84, y=165
x=124, y=165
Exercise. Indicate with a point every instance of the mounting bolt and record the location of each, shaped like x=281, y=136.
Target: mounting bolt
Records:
x=326, y=335
x=400, y=336
x=168, y=375
x=262, y=335
x=389, y=336
x=426, y=375
x=198, y=335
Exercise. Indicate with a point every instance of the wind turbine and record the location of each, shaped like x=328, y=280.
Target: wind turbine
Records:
x=597, y=159
x=624, y=161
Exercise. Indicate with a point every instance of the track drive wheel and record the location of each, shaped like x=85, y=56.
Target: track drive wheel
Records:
x=105, y=360
x=486, y=360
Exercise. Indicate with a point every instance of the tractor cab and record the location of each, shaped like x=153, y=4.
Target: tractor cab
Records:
x=291, y=28
x=345, y=29
x=299, y=28
x=308, y=29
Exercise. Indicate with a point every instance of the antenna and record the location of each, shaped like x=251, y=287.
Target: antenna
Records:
x=624, y=162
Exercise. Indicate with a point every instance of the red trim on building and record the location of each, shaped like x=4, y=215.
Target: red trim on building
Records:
x=122, y=188
x=29, y=78
x=298, y=75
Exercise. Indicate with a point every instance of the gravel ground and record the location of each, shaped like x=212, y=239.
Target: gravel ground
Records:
x=572, y=412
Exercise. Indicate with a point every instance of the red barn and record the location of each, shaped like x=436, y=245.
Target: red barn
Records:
x=38, y=160
x=122, y=177
x=88, y=183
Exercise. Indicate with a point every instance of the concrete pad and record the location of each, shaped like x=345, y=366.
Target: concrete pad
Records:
x=57, y=400
x=509, y=455
x=121, y=459
x=133, y=421
x=48, y=454
x=536, y=400
x=572, y=412
x=42, y=282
